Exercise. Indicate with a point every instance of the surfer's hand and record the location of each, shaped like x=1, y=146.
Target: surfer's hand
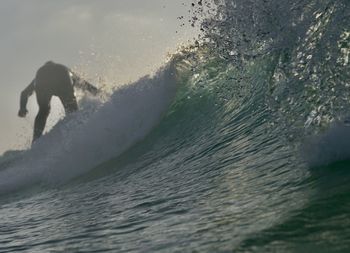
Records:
x=22, y=113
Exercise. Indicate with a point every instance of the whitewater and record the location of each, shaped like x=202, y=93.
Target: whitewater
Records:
x=238, y=144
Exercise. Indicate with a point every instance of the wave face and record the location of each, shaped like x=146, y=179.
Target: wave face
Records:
x=251, y=156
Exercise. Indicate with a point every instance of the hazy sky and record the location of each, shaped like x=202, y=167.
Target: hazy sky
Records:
x=118, y=40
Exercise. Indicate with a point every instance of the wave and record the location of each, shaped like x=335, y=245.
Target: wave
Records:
x=251, y=110
x=244, y=67
x=93, y=135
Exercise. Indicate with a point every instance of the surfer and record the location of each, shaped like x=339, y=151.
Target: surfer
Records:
x=52, y=79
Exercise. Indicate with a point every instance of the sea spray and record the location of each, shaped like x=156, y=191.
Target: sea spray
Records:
x=84, y=139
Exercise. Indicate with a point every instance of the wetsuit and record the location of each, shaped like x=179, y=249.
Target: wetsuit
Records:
x=52, y=79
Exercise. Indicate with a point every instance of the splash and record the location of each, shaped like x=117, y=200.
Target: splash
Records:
x=93, y=135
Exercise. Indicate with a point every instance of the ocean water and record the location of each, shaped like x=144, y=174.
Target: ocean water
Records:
x=238, y=144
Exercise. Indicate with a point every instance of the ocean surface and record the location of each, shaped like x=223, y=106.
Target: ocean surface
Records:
x=240, y=143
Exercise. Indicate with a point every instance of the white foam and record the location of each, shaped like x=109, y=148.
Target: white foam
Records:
x=87, y=138
x=331, y=146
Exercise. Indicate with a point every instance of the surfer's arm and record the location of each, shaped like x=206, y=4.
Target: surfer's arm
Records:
x=83, y=85
x=25, y=94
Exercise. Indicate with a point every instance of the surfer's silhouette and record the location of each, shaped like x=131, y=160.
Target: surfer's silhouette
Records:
x=52, y=79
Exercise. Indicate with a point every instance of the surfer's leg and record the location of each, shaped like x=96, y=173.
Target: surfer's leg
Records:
x=44, y=110
x=69, y=102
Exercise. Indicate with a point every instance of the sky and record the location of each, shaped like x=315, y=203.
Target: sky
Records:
x=113, y=42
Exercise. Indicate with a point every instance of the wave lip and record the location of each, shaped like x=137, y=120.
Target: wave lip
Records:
x=80, y=142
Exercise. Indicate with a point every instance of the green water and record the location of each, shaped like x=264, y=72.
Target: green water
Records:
x=245, y=156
